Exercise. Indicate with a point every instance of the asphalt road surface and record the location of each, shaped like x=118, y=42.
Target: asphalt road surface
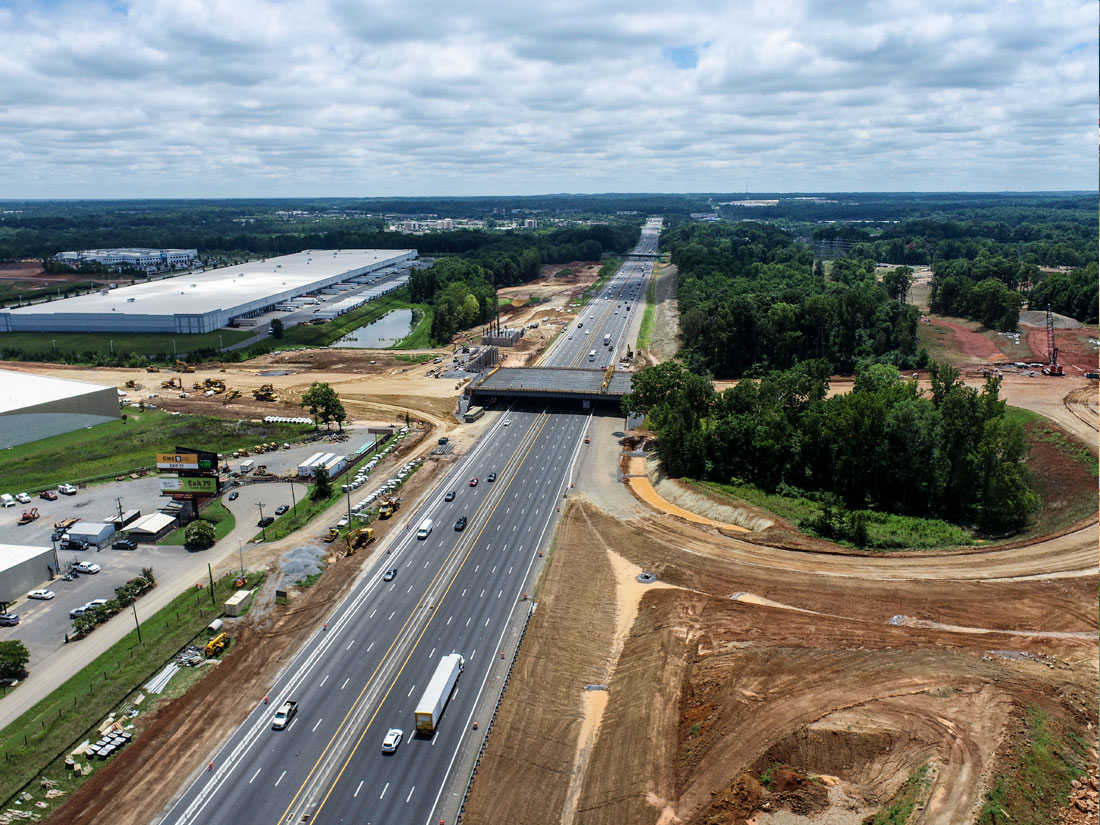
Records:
x=455, y=591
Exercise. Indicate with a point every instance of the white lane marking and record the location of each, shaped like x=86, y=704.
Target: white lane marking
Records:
x=253, y=779
x=384, y=790
x=350, y=644
x=371, y=616
x=477, y=568
x=482, y=596
x=427, y=562
x=509, y=571
x=410, y=589
x=280, y=779
x=487, y=622
x=411, y=691
x=468, y=621
x=345, y=683
x=392, y=615
x=449, y=619
x=501, y=593
x=315, y=726
x=494, y=569
x=413, y=788
x=463, y=591
x=358, y=788
x=323, y=681
x=430, y=655
x=472, y=655
x=435, y=736
x=370, y=646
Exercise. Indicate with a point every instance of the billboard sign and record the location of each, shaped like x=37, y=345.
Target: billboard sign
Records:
x=201, y=484
x=177, y=461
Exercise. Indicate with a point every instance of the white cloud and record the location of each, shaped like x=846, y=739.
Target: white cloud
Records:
x=316, y=97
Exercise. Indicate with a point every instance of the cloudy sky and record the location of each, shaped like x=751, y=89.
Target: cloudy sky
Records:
x=197, y=98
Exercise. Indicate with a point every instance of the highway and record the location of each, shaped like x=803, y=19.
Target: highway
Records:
x=454, y=591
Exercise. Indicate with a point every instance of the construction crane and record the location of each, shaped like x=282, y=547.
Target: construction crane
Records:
x=1052, y=367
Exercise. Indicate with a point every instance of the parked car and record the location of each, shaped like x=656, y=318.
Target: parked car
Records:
x=282, y=508
x=266, y=521
x=233, y=495
x=75, y=544
x=44, y=595
x=66, y=489
x=124, y=544
x=87, y=567
x=9, y=619
x=23, y=498
x=48, y=495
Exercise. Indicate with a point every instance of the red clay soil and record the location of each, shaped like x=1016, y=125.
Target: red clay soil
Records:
x=1074, y=350
x=969, y=343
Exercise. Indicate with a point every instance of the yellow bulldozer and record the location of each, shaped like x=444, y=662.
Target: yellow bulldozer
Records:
x=265, y=393
x=216, y=645
x=233, y=394
x=331, y=535
x=131, y=384
x=215, y=384
x=152, y=369
x=388, y=507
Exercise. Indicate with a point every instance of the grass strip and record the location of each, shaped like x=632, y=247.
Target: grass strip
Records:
x=420, y=337
x=38, y=741
x=645, y=331
x=159, y=346
x=119, y=447
x=217, y=514
x=302, y=513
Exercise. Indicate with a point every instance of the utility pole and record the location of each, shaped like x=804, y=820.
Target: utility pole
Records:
x=137, y=624
x=263, y=530
x=119, y=500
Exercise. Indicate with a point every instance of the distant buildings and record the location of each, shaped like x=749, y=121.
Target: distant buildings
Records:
x=146, y=260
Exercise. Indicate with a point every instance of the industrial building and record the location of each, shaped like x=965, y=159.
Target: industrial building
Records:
x=203, y=302
x=24, y=567
x=147, y=260
x=37, y=406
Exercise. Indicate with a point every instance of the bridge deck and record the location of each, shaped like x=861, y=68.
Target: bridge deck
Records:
x=553, y=382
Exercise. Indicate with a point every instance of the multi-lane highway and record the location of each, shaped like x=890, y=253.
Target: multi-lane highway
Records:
x=454, y=591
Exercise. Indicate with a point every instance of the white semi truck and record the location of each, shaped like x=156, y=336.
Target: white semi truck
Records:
x=431, y=704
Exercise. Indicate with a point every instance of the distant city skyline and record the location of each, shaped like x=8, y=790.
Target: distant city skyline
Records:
x=156, y=99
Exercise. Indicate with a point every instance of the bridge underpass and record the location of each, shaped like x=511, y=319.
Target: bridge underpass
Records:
x=568, y=383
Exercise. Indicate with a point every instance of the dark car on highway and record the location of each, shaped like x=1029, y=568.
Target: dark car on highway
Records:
x=460, y=525
x=450, y=496
x=491, y=477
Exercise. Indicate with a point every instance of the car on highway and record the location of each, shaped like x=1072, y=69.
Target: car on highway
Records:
x=124, y=544
x=392, y=740
x=586, y=440
x=491, y=477
x=450, y=496
x=233, y=495
x=473, y=481
x=9, y=619
x=282, y=508
x=460, y=525
x=507, y=422
x=66, y=489
x=48, y=495
x=266, y=521
x=390, y=574
x=283, y=715
x=87, y=567
x=44, y=595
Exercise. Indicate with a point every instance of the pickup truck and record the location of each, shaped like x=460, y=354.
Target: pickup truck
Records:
x=283, y=715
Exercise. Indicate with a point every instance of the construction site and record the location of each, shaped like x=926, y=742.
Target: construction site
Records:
x=698, y=660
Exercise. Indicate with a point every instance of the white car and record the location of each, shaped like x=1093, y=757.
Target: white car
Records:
x=23, y=498
x=87, y=567
x=44, y=595
x=66, y=489
x=392, y=740
x=507, y=423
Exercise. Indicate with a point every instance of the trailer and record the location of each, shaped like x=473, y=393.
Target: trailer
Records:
x=430, y=707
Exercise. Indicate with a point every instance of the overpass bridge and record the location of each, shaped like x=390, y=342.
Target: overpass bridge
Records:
x=569, y=383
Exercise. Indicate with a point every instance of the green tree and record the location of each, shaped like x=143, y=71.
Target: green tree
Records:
x=277, y=329
x=324, y=404
x=897, y=282
x=322, y=485
x=13, y=659
x=199, y=535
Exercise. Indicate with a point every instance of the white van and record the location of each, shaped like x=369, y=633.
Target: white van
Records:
x=7, y=500
x=592, y=355
x=425, y=529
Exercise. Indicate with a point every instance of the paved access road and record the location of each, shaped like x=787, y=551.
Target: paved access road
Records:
x=365, y=671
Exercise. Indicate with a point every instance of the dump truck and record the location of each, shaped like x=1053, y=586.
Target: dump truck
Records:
x=216, y=645
x=430, y=707
x=265, y=393
x=388, y=507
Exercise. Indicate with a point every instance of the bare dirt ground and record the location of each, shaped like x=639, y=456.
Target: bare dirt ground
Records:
x=666, y=320
x=800, y=668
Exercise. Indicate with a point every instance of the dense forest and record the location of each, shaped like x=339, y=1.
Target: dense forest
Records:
x=883, y=446
x=752, y=300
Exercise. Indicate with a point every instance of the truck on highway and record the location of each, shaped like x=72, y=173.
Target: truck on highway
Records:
x=431, y=704
x=607, y=339
x=284, y=714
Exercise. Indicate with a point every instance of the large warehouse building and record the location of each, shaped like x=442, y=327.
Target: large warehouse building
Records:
x=36, y=406
x=206, y=301
x=24, y=568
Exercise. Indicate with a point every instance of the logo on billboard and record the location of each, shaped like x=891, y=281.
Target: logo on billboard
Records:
x=177, y=461
x=189, y=485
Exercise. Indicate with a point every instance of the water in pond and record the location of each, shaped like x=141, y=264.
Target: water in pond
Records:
x=385, y=332
x=277, y=372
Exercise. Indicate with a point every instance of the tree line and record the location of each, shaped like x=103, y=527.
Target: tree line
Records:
x=884, y=446
x=752, y=300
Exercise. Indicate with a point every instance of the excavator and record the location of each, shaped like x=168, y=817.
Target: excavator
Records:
x=172, y=383
x=183, y=366
x=215, y=384
x=359, y=538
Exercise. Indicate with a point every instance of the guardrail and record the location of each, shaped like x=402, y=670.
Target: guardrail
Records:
x=493, y=718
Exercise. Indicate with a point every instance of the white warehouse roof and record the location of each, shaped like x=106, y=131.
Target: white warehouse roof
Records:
x=20, y=389
x=205, y=301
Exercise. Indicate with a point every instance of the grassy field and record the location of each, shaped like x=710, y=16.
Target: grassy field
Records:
x=885, y=531
x=304, y=511
x=415, y=358
x=118, y=447
x=420, y=337
x=119, y=343
x=217, y=514
x=37, y=742
x=645, y=331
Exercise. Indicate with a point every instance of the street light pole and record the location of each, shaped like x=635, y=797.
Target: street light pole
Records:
x=263, y=529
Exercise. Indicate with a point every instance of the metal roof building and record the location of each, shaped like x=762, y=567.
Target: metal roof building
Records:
x=38, y=406
x=206, y=301
x=24, y=567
